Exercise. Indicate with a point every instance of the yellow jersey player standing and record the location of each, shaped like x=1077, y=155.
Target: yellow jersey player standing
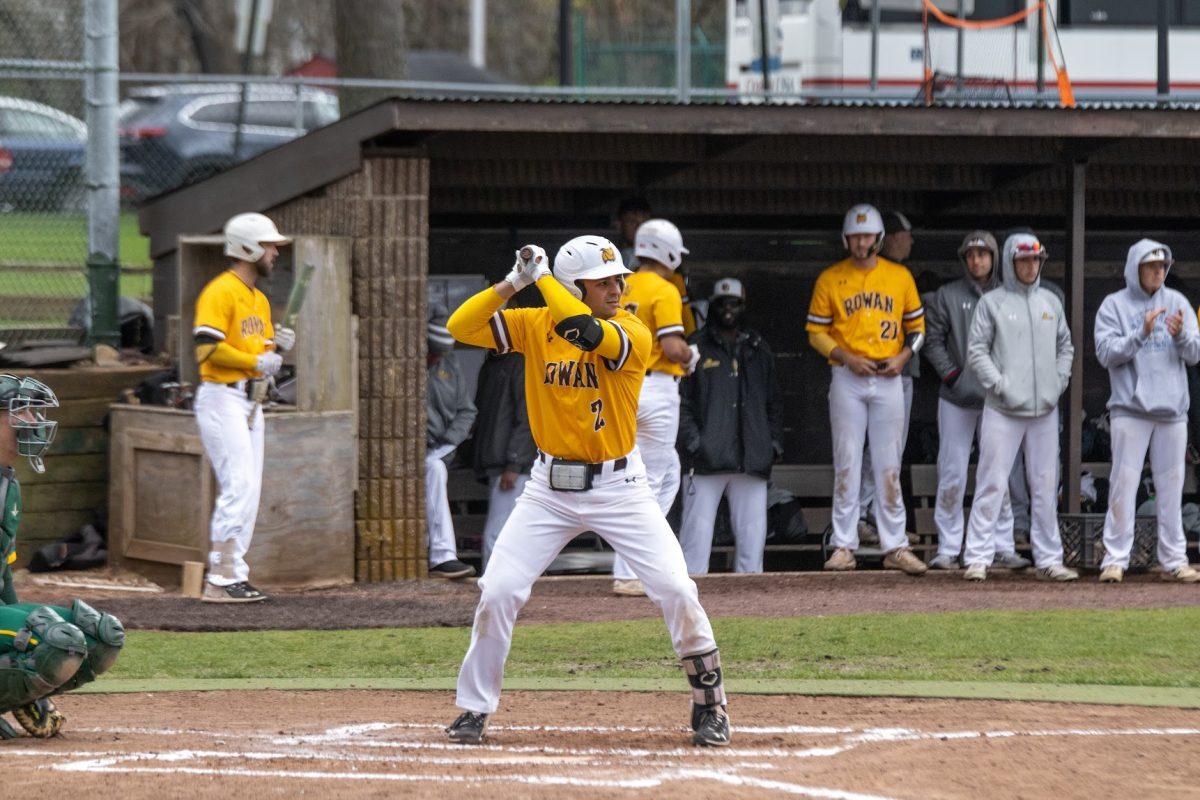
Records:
x=237, y=349
x=585, y=360
x=652, y=296
x=867, y=319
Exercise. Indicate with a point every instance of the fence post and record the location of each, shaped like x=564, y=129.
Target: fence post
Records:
x=103, y=170
x=683, y=50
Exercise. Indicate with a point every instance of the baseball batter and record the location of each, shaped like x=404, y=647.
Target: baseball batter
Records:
x=585, y=361
x=867, y=319
x=237, y=349
x=654, y=299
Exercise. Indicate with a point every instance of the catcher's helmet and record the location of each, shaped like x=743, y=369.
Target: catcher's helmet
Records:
x=587, y=258
x=26, y=399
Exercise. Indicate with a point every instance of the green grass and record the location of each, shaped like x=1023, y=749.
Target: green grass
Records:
x=1153, y=648
x=62, y=239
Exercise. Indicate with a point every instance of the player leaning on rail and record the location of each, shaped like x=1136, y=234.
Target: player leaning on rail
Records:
x=585, y=360
x=44, y=650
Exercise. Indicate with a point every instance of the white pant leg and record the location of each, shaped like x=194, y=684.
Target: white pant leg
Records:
x=748, y=513
x=866, y=493
x=500, y=506
x=885, y=430
x=1168, y=462
x=1130, y=440
x=1041, y=468
x=622, y=510
x=438, y=521
x=999, y=438
x=848, y=427
x=956, y=433
x=539, y=527
x=701, y=497
x=657, y=430
x=235, y=452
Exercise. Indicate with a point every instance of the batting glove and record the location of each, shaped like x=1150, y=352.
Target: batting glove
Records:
x=516, y=276
x=269, y=363
x=694, y=360
x=285, y=339
x=537, y=265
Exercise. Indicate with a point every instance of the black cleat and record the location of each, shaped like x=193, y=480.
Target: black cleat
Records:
x=468, y=728
x=711, y=726
x=452, y=570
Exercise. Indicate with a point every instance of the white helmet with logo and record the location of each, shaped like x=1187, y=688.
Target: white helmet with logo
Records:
x=587, y=258
x=245, y=235
x=659, y=240
x=863, y=218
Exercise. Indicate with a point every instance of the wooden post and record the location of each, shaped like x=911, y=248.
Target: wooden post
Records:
x=1074, y=273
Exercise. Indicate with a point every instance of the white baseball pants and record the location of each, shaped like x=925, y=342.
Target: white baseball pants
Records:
x=866, y=492
x=1167, y=443
x=957, y=429
x=621, y=509
x=1000, y=436
x=438, y=521
x=867, y=409
x=500, y=506
x=747, y=496
x=657, y=429
x=231, y=429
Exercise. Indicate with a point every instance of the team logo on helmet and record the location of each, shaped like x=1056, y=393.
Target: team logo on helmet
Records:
x=860, y=217
x=607, y=254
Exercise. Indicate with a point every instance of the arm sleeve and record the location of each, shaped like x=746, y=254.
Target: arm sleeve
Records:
x=1114, y=347
x=820, y=309
x=474, y=321
x=979, y=347
x=1188, y=340
x=614, y=346
x=668, y=316
x=914, y=312
x=519, y=451
x=822, y=342
x=937, y=328
x=225, y=355
x=1066, y=350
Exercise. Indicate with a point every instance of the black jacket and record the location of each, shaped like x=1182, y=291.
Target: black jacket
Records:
x=502, y=438
x=729, y=415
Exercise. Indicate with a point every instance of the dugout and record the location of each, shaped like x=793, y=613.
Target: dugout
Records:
x=426, y=187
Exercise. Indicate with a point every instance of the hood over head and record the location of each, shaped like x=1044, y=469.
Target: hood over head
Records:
x=1021, y=244
x=985, y=240
x=1144, y=250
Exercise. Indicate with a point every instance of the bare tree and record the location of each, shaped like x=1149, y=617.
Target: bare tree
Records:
x=370, y=44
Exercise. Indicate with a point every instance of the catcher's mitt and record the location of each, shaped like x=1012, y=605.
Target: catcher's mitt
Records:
x=40, y=719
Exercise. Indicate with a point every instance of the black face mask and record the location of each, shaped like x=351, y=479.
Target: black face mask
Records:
x=727, y=313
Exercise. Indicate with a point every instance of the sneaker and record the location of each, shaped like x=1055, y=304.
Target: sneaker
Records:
x=868, y=534
x=711, y=726
x=233, y=593
x=628, y=588
x=1011, y=561
x=1184, y=574
x=943, y=562
x=976, y=572
x=1112, y=574
x=452, y=570
x=1057, y=573
x=903, y=559
x=842, y=560
x=468, y=728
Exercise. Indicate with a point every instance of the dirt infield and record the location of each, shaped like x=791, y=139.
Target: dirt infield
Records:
x=438, y=603
x=544, y=745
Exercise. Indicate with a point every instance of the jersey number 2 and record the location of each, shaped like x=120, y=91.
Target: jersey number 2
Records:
x=597, y=408
x=889, y=330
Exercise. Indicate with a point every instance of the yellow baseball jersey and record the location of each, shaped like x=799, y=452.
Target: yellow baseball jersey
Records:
x=867, y=312
x=236, y=314
x=656, y=302
x=689, y=319
x=582, y=406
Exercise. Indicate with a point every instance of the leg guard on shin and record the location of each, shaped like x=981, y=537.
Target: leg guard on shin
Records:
x=105, y=637
x=704, y=674
x=37, y=656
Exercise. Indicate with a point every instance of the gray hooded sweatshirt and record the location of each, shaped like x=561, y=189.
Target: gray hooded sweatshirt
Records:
x=1147, y=373
x=1020, y=347
x=948, y=318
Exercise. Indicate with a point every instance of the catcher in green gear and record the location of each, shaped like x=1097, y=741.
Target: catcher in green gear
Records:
x=44, y=650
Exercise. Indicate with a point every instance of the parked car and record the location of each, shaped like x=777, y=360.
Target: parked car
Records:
x=41, y=157
x=176, y=135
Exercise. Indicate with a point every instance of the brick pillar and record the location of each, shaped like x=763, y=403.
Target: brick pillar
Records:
x=390, y=264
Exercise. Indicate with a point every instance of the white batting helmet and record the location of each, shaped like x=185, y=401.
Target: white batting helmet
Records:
x=245, y=235
x=587, y=258
x=661, y=241
x=863, y=218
